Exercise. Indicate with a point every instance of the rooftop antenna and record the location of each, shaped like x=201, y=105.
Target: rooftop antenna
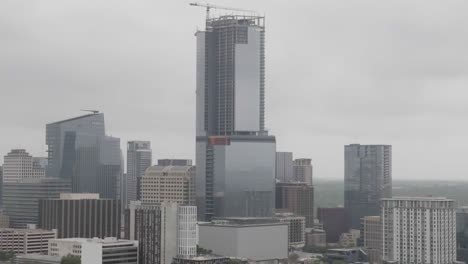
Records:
x=210, y=6
x=91, y=111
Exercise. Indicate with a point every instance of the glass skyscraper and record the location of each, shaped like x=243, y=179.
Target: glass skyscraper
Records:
x=80, y=151
x=235, y=156
x=368, y=178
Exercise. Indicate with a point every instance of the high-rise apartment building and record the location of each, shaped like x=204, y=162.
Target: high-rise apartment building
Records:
x=371, y=237
x=81, y=215
x=164, y=231
x=296, y=228
x=168, y=184
x=139, y=157
x=419, y=230
x=284, y=166
x=21, y=199
x=368, y=178
x=303, y=171
x=235, y=156
x=18, y=165
x=80, y=151
x=297, y=198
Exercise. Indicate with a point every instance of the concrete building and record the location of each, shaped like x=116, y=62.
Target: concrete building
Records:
x=235, y=156
x=350, y=238
x=139, y=158
x=81, y=215
x=175, y=162
x=316, y=238
x=37, y=259
x=164, y=231
x=254, y=239
x=80, y=151
x=368, y=178
x=21, y=199
x=296, y=228
x=297, y=198
x=419, y=230
x=284, y=166
x=371, y=235
x=168, y=184
x=25, y=241
x=334, y=221
x=205, y=259
x=303, y=171
x=18, y=165
x=1, y=187
x=96, y=250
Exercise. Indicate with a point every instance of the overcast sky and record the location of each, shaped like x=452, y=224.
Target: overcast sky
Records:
x=338, y=72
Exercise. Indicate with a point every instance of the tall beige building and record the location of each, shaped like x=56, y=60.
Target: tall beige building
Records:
x=371, y=234
x=19, y=165
x=168, y=184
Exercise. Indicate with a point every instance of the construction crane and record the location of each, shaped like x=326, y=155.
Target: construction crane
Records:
x=91, y=111
x=210, y=6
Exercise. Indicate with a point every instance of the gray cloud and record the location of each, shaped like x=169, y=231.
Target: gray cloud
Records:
x=338, y=72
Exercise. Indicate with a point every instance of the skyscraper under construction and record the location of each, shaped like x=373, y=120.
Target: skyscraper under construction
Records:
x=235, y=156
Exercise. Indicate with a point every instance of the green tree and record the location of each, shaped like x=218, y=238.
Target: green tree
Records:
x=6, y=255
x=203, y=251
x=70, y=260
x=293, y=258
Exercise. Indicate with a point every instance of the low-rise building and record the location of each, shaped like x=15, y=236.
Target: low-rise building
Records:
x=346, y=255
x=207, y=259
x=255, y=239
x=26, y=241
x=350, y=238
x=316, y=238
x=37, y=259
x=96, y=250
x=296, y=228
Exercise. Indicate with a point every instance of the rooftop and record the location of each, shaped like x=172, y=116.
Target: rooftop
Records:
x=417, y=198
x=74, y=118
x=25, y=231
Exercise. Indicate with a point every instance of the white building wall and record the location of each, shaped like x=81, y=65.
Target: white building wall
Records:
x=187, y=231
x=169, y=232
x=91, y=253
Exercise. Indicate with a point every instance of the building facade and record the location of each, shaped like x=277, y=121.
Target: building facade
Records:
x=168, y=184
x=235, y=156
x=462, y=233
x=81, y=216
x=139, y=158
x=296, y=228
x=335, y=222
x=18, y=165
x=284, y=166
x=175, y=162
x=80, y=151
x=303, y=171
x=26, y=241
x=419, y=230
x=21, y=199
x=4, y=220
x=96, y=250
x=371, y=235
x=250, y=238
x=368, y=178
x=297, y=198
x=164, y=231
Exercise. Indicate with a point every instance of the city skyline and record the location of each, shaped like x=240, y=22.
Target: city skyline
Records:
x=399, y=82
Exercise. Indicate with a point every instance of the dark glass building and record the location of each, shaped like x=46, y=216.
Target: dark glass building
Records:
x=335, y=222
x=80, y=151
x=368, y=178
x=81, y=215
x=235, y=156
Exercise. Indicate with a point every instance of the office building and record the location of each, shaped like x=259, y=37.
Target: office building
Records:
x=235, y=156
x=462, y=233
x=316, y=238
x=139, y=157
x=350, y=239
x=4, y=220
x=297, y=198
x=335, y=222
x=368, y=178
x=419, y=230
x=296, y=228
x=25, y=241
x=21, y=199
x=1, y=187
x=96, y=250
x=284, y=166
x=164, y=231
x=80, y=151
x=174, y=162
x=256, y=239
x=18, y=165
x=168, y=184
x=371, y=235
x=303, y=170
x=81, y=216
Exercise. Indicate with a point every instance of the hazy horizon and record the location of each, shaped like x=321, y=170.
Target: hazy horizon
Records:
x=337, y=73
